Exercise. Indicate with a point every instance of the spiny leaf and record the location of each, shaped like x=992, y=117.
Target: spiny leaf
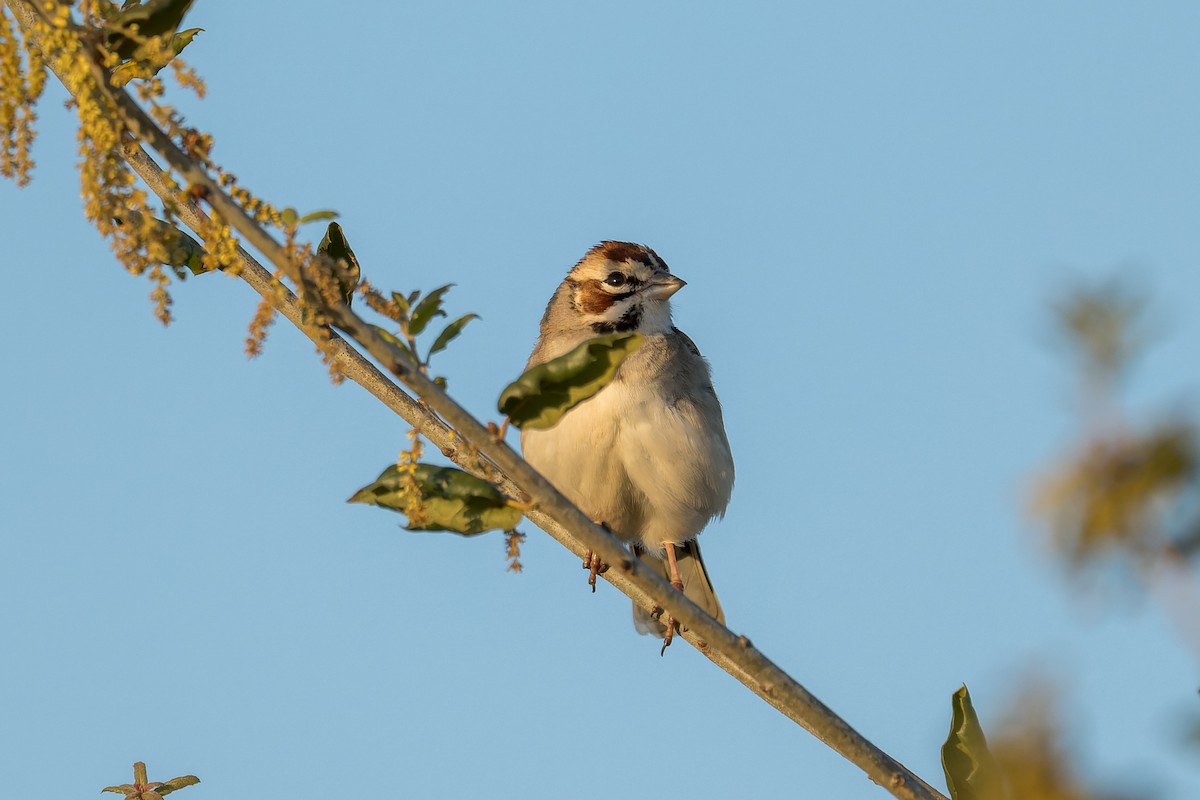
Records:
x=450, y=333
x=450, y=499
x=971, y=772
x=177, y=783
x=540, y=397
x=429, y=307
x=334, y=245
x=152, y=18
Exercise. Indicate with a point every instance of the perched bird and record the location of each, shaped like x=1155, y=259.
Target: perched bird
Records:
x=646, y=456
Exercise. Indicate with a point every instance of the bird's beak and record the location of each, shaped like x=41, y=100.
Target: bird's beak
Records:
x=664, y=286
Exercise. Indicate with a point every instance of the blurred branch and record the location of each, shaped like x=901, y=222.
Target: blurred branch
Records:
x=468, y=443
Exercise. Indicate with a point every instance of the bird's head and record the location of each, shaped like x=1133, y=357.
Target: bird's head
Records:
x=620, y=286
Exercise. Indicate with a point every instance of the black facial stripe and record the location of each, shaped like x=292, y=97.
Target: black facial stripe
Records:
x=629, y=321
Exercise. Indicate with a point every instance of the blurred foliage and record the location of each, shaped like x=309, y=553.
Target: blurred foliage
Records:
x=1105, y=325
x=1116, y=495
x=1034, y=753
x=1125, y=490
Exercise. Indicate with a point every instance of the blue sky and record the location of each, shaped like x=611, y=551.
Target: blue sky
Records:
x=871, y=203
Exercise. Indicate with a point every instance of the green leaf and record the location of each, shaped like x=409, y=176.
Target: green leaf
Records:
x=334, y=245
x=971, y=772
x=449, y=499
x=540, y=397
x=152, y=18
x=401, y=301
x=429, y=307
x=124, y=788
x=397, y=341
x=314, y=216
x=183, y=39
x=145, y=65
x=177, y=783
x=289, y=217
x=182, y=249
x=450, y=333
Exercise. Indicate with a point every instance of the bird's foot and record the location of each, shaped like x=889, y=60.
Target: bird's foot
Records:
x=670, y=621
x=594, y=566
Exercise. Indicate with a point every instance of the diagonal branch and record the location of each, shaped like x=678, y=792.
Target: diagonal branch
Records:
x=469, y=444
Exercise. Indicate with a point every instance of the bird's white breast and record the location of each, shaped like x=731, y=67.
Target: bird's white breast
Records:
x=654, y=471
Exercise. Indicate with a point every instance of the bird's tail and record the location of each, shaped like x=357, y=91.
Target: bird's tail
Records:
x=696, y=585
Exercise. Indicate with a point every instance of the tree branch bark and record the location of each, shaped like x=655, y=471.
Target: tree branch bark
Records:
x=464, y=440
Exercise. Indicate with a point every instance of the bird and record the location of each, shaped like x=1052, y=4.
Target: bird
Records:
x=647, y=456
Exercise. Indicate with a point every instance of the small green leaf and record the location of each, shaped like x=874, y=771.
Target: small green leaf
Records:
x=183, y=39
x=152, y=18
x=450, y=333
x=971, y=772
x=177, y=783
x=289, y=217
x=429, y=307
x=396, y=341
x=450, y=499
x=147, y=62
x=401, y=301
x=334, y=245
x=540, y=397
x=124, y=788
x=182, y=249
x=314, y=216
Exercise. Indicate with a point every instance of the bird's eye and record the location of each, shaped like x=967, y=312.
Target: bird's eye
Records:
x=615, y=279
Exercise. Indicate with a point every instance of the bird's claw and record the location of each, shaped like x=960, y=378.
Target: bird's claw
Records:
x=594, y=566
x=670, y=623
